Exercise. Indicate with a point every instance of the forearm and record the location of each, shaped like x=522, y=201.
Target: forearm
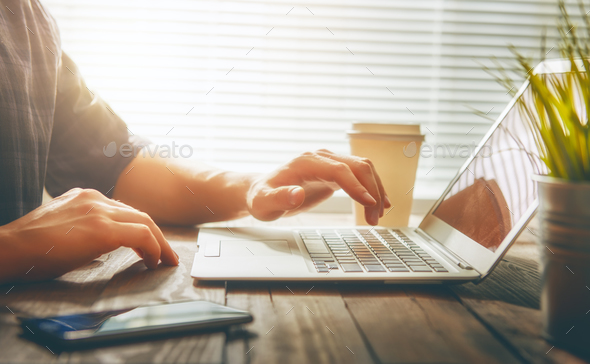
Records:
x=12, y=264
x=183, y=194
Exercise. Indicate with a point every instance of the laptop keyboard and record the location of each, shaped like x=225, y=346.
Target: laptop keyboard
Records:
x=374, y=250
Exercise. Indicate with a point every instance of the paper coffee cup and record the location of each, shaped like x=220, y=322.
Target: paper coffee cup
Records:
x=394, y=151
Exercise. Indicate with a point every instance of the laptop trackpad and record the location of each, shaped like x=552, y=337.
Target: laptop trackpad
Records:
x=258, y=248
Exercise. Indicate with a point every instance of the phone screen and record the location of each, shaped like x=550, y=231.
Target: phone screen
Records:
x=174, y=317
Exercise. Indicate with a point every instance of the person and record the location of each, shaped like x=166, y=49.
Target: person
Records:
x=53, y=134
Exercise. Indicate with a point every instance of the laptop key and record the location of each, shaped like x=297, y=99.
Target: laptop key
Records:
x=398, y=269
x=374, y=268
x=420, y=269
x=322, y=260
x=368, y=259
x=400, y=264
x=413, y=261
x=370, y=262
x=314, y=242
x=347, y=262
x=440, y=270
x=351, y=267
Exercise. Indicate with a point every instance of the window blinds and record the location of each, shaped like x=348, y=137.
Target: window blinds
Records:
x=250, y=84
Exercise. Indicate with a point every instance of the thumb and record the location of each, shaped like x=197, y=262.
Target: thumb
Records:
x=277, y=201
x=285, y=198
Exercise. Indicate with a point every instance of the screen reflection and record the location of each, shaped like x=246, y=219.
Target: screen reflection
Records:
x=496, y=189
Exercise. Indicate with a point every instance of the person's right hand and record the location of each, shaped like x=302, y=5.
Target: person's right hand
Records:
x=74, y=229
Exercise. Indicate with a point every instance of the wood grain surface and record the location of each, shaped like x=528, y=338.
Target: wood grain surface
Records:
x=497, y=321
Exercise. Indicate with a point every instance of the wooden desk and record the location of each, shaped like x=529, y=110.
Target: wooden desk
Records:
x=497, y=321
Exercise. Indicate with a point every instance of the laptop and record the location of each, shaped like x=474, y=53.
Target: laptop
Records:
x=462, y=238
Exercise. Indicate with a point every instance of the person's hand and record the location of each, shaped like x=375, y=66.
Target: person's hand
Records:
x=313, y=177
x=74, y=229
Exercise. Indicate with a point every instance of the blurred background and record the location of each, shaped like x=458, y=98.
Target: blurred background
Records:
x=251, y=84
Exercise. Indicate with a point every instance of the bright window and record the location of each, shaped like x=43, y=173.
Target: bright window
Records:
x=250, y=84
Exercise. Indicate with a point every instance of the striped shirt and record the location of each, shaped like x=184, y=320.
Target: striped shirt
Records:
x=52, y=127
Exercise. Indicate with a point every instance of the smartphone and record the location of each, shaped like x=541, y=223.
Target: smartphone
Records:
x=137, y=323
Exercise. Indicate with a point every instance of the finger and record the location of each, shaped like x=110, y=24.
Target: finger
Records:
x=273, y=203
x=326, y=169
x=126, y=215
x=384, y=199
x=363, y=169
x=141, y=217
x=138, y=237
x=386, y=202
x=138, y=252
x=365, y=173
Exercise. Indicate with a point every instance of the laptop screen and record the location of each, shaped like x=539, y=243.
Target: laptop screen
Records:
x=495, y=190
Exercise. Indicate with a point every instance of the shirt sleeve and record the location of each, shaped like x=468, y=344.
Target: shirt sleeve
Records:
x=90, y=145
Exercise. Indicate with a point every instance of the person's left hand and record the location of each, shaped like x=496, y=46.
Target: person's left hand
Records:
x=313, y=177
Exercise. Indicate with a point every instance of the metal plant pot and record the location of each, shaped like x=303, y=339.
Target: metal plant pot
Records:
x=564, y=209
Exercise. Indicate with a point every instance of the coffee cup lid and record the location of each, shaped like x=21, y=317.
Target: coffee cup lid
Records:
x=381, y=131
x=386, y=128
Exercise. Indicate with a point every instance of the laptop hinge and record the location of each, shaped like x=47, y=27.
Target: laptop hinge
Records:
x=444, y=251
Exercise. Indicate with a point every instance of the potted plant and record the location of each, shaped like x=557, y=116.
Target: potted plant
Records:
x=557, y=113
